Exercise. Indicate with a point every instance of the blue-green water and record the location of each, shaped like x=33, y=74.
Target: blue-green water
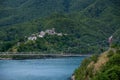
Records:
x=39, y=69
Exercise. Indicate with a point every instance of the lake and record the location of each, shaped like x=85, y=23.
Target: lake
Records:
x=39, y=69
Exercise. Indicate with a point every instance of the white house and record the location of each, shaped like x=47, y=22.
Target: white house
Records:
x=110, y=39
x=51, y=32
x=33, y=37
x=41, y=34
x=59, y=34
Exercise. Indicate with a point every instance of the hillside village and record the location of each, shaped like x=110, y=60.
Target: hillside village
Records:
x=43, y=33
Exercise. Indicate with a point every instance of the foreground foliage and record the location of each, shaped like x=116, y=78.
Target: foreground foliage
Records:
x=108, y=71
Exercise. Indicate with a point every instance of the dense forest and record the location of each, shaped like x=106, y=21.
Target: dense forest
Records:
x=87, y=23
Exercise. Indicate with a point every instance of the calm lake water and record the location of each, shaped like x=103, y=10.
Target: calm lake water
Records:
x=39, y=69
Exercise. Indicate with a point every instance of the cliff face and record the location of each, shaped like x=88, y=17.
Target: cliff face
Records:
x=103, y=67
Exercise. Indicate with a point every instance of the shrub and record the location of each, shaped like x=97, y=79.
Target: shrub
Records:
x=110, y=53
x=114, y=60
x=94, y=58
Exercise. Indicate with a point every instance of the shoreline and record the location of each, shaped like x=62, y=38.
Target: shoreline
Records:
x=73, y=77
x=38, y=56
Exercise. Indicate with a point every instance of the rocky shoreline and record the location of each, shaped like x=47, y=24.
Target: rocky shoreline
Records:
x=5, y=58
x=35, y=56
x=72, y=77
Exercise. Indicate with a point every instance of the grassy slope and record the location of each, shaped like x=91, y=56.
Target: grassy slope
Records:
x=104, y=67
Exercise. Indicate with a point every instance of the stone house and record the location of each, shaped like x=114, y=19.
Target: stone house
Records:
x=51, y=31
x=33, y=37
x=41, y=34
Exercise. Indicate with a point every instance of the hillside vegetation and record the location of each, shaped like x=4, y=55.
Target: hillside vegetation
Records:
x=25, y=10
x=88, y=24
x=103, y=67
x=116, y=40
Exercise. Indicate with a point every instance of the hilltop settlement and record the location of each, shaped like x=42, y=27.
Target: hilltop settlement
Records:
x=43, y=33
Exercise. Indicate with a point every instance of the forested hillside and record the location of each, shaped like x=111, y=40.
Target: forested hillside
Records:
x=87, y=23
x=16, y=11
x=103, y=67
x=116, y=38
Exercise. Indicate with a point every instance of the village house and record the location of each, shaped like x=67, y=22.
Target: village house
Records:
x=33, y=37
x=51, y=32
x=41, y=34
x=59, y=34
